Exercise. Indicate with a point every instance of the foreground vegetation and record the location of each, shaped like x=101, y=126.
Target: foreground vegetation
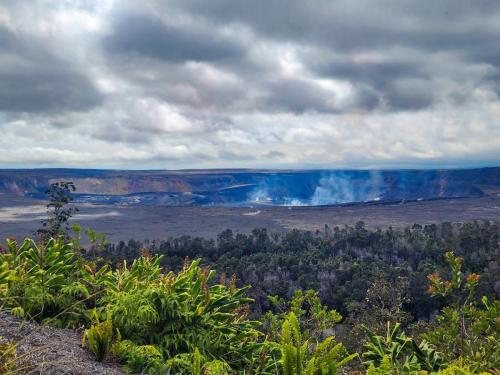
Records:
x=188, y=322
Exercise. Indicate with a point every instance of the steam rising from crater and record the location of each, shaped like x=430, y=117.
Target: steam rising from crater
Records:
x=339, y=187
x=332, y=187
x=317, y=188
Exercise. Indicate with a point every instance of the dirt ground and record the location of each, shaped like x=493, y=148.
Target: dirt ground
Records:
x=50, y=351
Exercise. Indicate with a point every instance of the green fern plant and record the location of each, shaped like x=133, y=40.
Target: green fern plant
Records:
x=385, y=367
x=196, y=365
x=144, y=359
x=5, y=276
x=50, y=283
x=99, y=337
x=216, y=367
x=37, y=275
x=328, y=358
x=297, y=358
x=8, y=357
x=179, y=312
x=401, y=353
x=313, y=321
x=461, y=367
x=465, y=328
x=293, y=350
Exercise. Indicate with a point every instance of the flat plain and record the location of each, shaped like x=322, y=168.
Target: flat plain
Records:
x=20, y=216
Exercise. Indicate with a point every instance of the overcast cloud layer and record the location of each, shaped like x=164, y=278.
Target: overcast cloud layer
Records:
x=228, y=83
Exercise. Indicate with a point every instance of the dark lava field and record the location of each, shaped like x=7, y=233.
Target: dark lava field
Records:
x=21, y=216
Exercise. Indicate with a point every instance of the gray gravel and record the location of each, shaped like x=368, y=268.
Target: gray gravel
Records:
x=51, y=351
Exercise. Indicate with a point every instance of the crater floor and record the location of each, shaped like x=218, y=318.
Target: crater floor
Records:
x=20, y=216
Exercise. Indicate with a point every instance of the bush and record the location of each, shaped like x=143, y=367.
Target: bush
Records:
x=99, y=337
x=144, y=359
x=460, y=367
x=299, y=357
x=41, y=278
x=185, y=322
x=8, y=356
x=466, y=328
x=178, y=313
x=400, y=353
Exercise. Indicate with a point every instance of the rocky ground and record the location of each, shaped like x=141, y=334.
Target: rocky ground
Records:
x=51, y=351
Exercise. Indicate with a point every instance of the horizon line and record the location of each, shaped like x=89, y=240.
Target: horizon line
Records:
x=249, y=169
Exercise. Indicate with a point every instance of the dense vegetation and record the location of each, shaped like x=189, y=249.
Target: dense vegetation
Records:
x=188, y=322
x=340, y=263
x=344, y=300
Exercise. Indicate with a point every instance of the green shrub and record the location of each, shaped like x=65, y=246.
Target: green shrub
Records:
x=313, y=321
x=50, y=283
x=399, y=352
x=4, y=276
x=99, y=337
x=160, y=315
x=465, y=329
x=8, y=356
x=196, y=364
x=140, y=358
x=185, y=322
x=178, y=313
x=39, y=276
x=299, y=357
x=460, y=367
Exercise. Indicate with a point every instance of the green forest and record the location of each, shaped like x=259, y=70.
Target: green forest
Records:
x=419, y=300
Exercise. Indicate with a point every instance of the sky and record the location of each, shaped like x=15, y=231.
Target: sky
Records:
x=175, y=84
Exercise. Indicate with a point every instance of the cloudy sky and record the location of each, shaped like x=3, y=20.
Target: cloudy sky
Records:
x=261, y=83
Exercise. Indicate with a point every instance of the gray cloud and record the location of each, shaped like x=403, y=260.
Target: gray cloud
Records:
x=148, y=35
x=463, y=29
x=274, y=154
x=193, y=83
x=346, y=29
x=299, y=96
x=363, y=24
x=230, y=155
x=34, y=80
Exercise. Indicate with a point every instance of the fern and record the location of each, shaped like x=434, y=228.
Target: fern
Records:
x=99, y=337
x=403, y=354
x=5, y=275
x=179, y=312
x=184, y=322
x=196, y=365
x=8, y=357
x=297, y=358
x=141, y=358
